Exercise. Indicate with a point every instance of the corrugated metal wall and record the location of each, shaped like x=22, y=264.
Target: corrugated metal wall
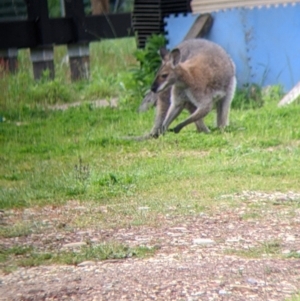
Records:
x=148, y=16
x=205, y=6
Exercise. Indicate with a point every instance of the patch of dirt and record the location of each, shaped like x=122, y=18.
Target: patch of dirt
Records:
x=197, y=257
x=96, y=103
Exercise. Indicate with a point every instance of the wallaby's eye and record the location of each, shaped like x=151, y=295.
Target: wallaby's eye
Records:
x=164, y=76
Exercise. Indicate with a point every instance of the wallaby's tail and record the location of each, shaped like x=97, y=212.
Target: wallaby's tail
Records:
x=223, y=106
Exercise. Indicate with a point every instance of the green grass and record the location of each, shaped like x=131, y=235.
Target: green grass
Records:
x=295, y=297
x=17, y=230
x=268, y=248
x=26, y=256
x=79, y=153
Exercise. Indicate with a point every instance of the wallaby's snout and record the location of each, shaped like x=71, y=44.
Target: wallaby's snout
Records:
x=154, y=87
x=161, y=83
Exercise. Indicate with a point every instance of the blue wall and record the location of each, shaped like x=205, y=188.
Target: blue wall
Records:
x=263, y=42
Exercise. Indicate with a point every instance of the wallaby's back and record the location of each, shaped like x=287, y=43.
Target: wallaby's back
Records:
x=208, y=69
x=193, y=47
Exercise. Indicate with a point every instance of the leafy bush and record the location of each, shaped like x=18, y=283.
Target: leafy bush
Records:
x=249, y=97
x=138, y=80
x=149, y=60
x=50, y=92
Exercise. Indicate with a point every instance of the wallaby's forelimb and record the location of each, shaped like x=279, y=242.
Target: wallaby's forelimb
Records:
x=173, y=112
x=162, y=106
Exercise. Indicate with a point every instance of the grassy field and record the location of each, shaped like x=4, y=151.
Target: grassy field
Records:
x=52, y=156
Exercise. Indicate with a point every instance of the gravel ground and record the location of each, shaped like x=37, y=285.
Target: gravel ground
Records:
x=198, y=257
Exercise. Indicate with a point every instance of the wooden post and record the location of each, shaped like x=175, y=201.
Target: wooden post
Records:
x=100, y=7
x=41, y=57
x=78, y=52
x=42, y=61
x=290, y=96
x=79, y=61
x=9, y=60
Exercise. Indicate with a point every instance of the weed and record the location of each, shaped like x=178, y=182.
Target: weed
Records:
x=49, y=92
x=16, y=250
x=254, y=97
x=249, y=97
x=82, y=172
x=269, y=248
x=294, y=254
x=17, y=230
x=251, y=215
x=295, y=297
x=20, y=256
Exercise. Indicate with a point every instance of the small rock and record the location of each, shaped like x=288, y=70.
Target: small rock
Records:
x=143, y=208
x=289, y=288
x=290, y=238
x=286, y=251
x=82, y=232
x=198, y=294
x=223, y=292
x=252, y=281
x=203, y=241
x=86, y=263
x=229, y=240
x=103, y=209
x=79, y=208
x=183, y=229
x=173, y=234
x=74, y=244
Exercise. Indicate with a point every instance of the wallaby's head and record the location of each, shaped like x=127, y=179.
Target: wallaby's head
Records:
x=166, y=75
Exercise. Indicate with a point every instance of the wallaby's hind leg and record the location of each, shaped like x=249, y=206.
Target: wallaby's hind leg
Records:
x=201, y=127
x=223, y=105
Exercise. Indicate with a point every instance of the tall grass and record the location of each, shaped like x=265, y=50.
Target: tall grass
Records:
x=107, y=60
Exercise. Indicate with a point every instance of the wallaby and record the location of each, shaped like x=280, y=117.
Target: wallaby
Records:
x=195, y=75
x=162, y=100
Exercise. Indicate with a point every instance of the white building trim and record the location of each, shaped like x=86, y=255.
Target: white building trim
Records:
x=207, y=6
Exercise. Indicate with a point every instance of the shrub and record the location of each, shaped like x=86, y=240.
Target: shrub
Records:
x=138, y=80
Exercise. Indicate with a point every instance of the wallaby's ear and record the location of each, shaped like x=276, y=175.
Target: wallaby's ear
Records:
x=163, y=52
x=175, y=57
